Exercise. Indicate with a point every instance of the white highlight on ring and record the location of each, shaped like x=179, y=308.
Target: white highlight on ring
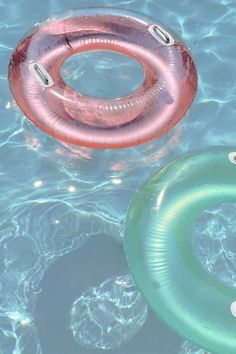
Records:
x=232, y=157
x=41, y=75
x=161, y=35
x=233, y=308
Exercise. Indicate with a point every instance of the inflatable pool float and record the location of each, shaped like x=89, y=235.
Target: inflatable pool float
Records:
x=164, y=97
x=160, y=252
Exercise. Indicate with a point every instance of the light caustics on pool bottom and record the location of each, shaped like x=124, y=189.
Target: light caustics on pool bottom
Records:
x=105, y=316
x=190, y=348
x=108, y=316
x=214, y=241
x=28, y=249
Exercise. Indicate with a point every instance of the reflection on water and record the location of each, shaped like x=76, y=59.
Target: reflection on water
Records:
x=109, y=315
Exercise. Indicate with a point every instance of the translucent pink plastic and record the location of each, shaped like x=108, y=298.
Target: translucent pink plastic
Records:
x=156, y=106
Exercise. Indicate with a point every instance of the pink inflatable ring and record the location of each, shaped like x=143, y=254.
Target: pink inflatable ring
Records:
x=164, y=97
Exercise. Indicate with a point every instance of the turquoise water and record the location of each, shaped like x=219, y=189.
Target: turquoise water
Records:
x=63, y=208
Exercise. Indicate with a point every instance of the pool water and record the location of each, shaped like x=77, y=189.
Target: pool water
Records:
x=65, y=285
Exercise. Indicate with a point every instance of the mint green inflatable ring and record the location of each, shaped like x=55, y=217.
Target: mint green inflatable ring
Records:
x=160, y=254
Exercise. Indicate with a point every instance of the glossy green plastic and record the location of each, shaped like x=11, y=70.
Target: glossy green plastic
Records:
x=160, y=254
